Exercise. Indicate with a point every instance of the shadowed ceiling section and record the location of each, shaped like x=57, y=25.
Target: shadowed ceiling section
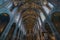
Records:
x=4, y=20
x=56, y=20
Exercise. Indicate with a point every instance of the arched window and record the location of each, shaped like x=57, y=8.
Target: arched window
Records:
x=4, y=20
x=56, y=20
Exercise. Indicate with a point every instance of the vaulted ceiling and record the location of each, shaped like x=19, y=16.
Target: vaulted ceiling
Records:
x=29, y=8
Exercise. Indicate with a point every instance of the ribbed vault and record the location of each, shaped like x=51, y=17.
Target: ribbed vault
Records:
x=29, y=18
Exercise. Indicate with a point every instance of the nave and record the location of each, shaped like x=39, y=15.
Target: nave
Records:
x=29, y=20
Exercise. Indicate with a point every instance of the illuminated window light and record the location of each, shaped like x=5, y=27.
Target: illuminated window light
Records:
x=46, y=9
x=42, y=16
